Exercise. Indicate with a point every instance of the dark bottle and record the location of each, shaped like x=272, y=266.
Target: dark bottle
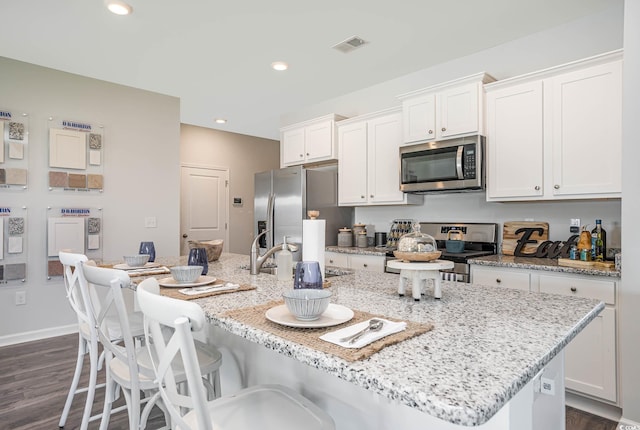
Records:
x=599, y=236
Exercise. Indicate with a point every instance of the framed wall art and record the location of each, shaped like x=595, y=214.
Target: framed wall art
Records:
x=13, y=252
x=14, y=137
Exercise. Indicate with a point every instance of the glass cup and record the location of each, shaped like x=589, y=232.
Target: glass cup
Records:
x=148, y=248
x=307, y=275
x=198, y=257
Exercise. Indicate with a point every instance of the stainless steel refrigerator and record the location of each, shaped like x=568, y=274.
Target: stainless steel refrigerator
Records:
x=283, y=197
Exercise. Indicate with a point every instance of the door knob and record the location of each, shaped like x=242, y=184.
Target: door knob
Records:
x=185, y=235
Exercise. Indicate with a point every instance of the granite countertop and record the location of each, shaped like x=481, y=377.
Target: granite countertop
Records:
x=487, y=344
x=532, y=263
x=370, y=250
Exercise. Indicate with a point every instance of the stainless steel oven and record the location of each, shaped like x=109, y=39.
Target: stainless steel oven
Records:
x=445, y=166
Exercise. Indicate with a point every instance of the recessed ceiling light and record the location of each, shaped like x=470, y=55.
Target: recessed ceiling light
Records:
x=279, y=65
x=119, y=7
x=220, y=121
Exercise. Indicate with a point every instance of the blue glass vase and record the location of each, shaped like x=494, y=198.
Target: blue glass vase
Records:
x=148, y=248
x=198, y=257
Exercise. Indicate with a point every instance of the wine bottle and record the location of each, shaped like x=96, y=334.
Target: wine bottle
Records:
x=600, y=241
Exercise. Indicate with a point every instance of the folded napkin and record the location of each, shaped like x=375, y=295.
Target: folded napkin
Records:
x=147, y=271
x=389, y=327
x=209, y=289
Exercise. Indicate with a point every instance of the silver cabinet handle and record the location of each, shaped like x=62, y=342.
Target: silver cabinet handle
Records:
x=331, y=261
x=430, y=132
x=444, y=129
x=307, y=154
x=537, y=187
x=371, y=196
x=556, y=186
x=301, y=155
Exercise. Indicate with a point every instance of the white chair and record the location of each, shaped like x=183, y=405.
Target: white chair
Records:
x=128, y=366
x=79, y=295
x=260, y=407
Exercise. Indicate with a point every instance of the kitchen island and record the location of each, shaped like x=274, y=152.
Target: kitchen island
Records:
x=479, y=366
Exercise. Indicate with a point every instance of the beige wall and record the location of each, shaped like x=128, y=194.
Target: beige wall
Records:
x=243, y=156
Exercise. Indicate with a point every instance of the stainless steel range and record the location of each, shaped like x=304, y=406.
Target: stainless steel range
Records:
x=479, y=239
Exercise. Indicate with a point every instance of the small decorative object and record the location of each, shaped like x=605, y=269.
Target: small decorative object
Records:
x=148, y=248
x=417, y=246
x=198, y=257
x=307, y=304
x=313, y=214
x=136, y=260
x=186, y=274
x=213, y=248
x=345, y=237
x=307, y=275
x=455, y=241
x=357, y=228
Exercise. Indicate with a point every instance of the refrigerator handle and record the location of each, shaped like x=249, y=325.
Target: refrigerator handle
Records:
x=270, y=204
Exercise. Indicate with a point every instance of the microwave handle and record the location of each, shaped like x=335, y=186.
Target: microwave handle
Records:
x=459, y=162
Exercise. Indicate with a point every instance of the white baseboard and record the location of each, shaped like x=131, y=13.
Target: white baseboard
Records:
x=628, y=424
x=605, y=410
x=29, y=336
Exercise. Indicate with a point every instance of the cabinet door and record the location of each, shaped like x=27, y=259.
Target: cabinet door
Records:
x=319, y=142
x=384, y=138
x=352, y=164
x=419, y=118
x=457, y=111
x=292, y=147
x=336, y=259
x=367, y=262
x=496, y=277
x=587, y=130
x=515, y=142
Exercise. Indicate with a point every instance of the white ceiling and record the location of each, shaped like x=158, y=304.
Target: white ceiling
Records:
x=216, y=55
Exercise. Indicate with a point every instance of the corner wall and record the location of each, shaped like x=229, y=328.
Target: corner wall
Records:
x=243, y=155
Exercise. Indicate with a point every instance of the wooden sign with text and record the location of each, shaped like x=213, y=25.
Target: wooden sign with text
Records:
x=510, y=236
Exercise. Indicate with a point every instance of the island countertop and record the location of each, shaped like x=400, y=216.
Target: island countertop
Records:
x=486, y=345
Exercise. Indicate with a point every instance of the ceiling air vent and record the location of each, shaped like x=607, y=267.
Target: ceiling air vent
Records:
x=350, y=44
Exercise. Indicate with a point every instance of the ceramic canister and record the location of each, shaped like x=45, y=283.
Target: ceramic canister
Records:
x=345, y=237
x=361, y=239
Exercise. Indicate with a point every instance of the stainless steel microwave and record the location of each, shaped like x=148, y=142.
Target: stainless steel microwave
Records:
x=449, y=165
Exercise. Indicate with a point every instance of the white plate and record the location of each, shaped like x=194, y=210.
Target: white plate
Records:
x=172, y=283
x=125, y=266
x=334, y=315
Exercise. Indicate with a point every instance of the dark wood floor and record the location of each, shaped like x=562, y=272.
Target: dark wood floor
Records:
x=35, y=378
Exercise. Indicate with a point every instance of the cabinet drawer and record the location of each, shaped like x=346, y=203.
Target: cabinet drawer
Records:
x=501, y=278
x=604, y=290
x=367, y=262
x=336, y=259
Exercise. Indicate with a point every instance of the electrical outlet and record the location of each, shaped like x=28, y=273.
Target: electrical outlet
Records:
x=547, y=386
x=150, y=222
x=574, y=222
x=21, y=298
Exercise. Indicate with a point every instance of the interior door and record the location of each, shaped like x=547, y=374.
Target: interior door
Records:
x=204, y=209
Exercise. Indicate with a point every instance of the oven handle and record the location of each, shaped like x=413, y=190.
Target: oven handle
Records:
x=459, y=162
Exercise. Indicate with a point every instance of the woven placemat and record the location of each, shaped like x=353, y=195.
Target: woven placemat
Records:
x=310, y=337
x=174, y=293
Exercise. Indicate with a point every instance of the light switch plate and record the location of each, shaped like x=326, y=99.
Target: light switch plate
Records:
x=150, y=222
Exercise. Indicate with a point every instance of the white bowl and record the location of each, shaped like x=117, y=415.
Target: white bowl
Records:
x=186, y=274
x=307, y=304
x=136, y=260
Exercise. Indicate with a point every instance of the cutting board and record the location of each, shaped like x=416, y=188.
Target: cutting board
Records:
x=600, y=265
x=510, y=239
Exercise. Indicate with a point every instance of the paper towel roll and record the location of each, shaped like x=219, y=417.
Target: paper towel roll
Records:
x=313, y=241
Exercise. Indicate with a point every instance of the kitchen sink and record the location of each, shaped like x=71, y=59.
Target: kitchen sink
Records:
x=330, y=272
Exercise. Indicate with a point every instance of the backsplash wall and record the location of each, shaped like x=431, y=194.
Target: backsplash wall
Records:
x=472, y=207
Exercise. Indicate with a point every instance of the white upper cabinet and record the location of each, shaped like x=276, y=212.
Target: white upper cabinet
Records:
x=444, y=111
x=309, y=142
x=369, y=161
x=556, y=134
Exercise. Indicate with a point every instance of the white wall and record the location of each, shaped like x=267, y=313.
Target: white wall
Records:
x=244, y=156
x=579, y=39
x=629, y=329
x=141, y=170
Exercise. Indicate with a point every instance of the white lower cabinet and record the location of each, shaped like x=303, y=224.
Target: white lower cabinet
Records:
x=500, y=277
x=372, y=263
x=591, y=357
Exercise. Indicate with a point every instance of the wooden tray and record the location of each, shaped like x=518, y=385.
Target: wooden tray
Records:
x=579, y=264
x=417, y=256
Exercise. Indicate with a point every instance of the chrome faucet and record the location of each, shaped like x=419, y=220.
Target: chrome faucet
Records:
x=258, y=260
